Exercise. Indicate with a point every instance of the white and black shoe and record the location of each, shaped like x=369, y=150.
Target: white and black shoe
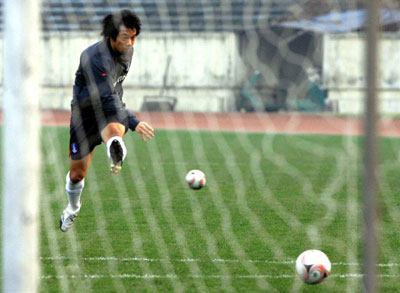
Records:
x=116, y=152
x=68, y=218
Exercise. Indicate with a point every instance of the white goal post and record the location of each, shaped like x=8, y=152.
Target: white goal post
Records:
x=21, y=152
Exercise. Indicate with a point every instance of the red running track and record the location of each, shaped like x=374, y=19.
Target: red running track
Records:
x=250, y=122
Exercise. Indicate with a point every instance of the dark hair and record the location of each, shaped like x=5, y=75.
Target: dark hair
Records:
x=112, y=22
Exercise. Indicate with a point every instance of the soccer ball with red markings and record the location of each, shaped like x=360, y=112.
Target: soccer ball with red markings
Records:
x=313, y=266
x=196, y=179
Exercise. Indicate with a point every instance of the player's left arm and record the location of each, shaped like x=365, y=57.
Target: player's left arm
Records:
x=145, y=130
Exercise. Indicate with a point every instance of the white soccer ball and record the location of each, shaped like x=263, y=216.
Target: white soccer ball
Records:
x=313, y=266
x=196, y=179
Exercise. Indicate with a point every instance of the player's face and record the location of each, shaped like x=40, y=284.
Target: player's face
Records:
x=125, y=40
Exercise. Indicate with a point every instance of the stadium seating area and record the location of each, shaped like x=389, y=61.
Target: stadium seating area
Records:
x=166, y=15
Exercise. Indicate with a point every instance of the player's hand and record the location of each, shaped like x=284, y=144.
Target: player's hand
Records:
x=145, y=130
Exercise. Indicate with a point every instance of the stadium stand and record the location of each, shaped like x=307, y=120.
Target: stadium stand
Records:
x=165, y=15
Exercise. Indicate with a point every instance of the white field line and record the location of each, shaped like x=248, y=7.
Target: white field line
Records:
x=173, y=276
x=168, y=276
x=144, y=259
x=217, y=260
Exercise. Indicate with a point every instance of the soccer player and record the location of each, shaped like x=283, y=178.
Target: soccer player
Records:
x=98, y=113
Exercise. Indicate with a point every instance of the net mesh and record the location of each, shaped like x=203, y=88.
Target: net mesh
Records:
x=248, y=92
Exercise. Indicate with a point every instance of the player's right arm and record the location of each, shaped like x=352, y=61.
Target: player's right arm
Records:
x=101, y=83
x=97, y=71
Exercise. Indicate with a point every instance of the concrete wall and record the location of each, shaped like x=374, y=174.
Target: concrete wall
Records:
x=344, y=72
x=204, y=74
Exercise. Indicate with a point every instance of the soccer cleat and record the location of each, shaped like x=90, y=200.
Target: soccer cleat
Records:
x=117, y=156
x=67, y=219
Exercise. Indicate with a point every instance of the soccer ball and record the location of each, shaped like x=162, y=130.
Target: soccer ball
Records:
x=196, y=179
x=313, y=266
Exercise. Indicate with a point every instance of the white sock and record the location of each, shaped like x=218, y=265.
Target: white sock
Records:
x=74, y=191
x=121, y=142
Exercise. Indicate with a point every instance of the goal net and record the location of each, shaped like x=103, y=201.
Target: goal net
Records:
x=267, y=99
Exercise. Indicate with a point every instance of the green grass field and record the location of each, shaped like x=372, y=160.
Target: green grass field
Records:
x=267, y=199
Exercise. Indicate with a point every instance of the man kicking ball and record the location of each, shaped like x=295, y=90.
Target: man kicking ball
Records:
x=98, y=113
